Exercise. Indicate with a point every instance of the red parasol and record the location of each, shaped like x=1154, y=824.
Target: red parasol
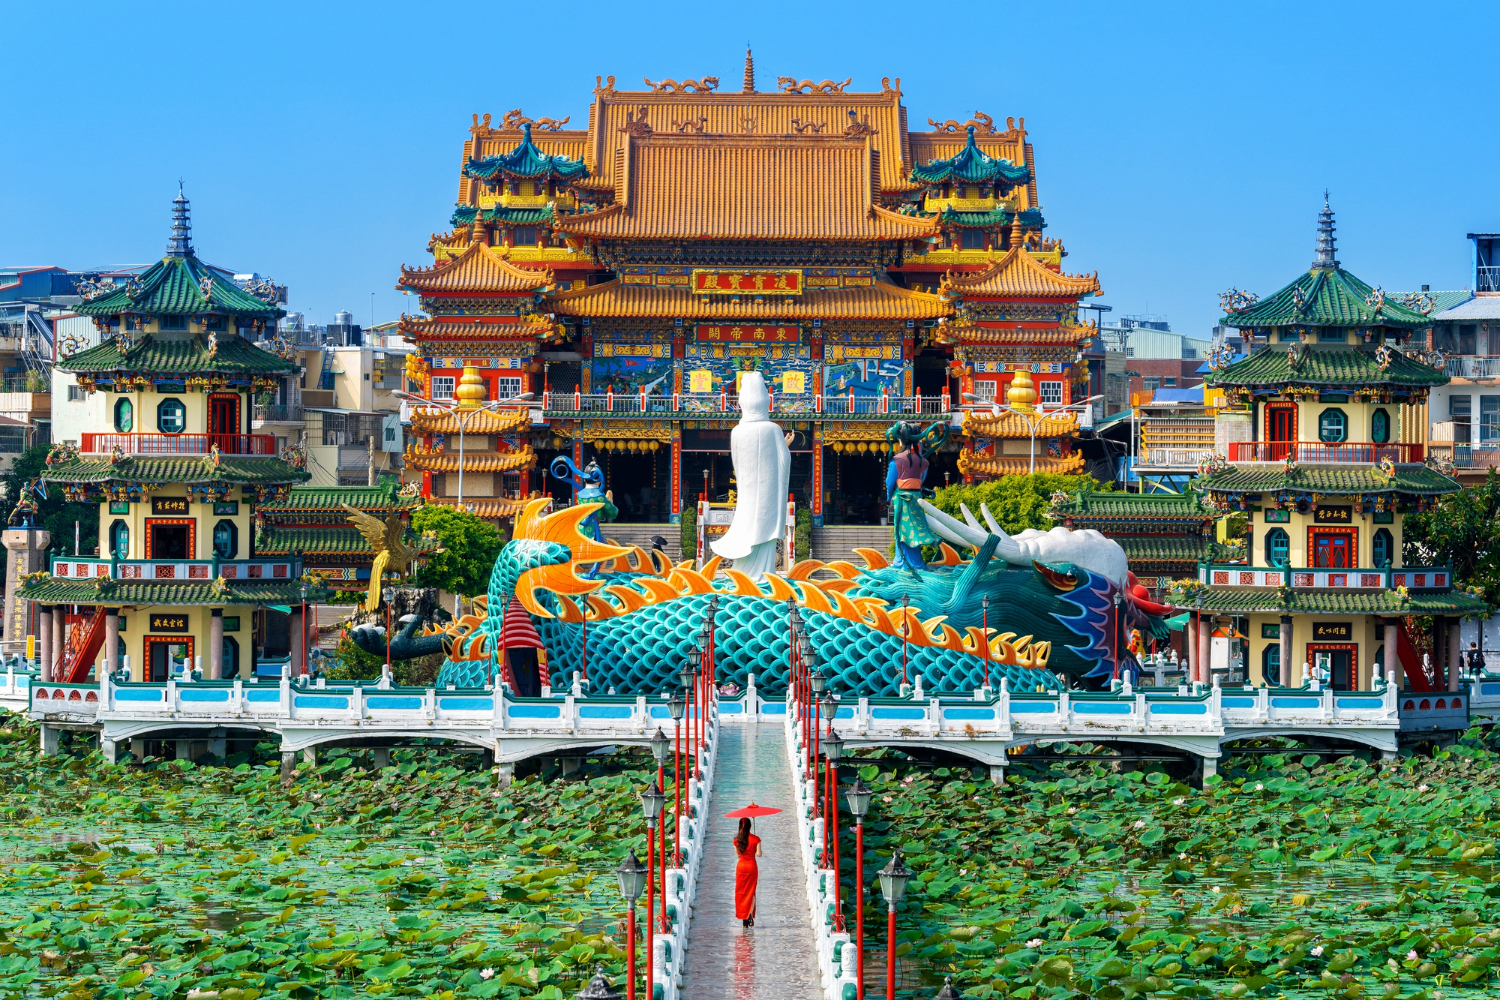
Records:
x=751, y=812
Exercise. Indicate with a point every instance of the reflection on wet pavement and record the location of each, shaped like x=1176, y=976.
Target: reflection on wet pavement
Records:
x=774, y=959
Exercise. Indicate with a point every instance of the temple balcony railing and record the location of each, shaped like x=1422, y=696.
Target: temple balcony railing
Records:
x=1467, y=456
x=278, y=413
x=1173, y=458
x=1353, y=452
x=177, y=444
x=182, y=570
x=636, y=405
x=1323, y=578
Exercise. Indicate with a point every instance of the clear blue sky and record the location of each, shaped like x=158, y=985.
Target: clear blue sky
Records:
x=1180, y=148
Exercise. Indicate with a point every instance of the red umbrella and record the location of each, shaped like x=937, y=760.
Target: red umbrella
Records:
x=751, y=812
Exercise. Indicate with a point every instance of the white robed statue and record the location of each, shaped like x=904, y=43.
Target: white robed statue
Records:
x=762, y=470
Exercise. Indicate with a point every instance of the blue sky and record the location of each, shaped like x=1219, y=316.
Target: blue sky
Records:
x=1181, y=148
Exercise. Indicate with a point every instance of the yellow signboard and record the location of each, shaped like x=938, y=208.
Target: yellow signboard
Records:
x=700, y=380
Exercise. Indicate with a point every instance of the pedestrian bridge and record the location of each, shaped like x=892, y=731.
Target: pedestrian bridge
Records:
x=984, y=726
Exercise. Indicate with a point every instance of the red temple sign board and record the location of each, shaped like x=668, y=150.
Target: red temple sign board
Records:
x=747, y=282
x=749, y=334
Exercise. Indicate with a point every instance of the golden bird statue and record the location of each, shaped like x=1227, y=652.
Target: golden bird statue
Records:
x=392, y=555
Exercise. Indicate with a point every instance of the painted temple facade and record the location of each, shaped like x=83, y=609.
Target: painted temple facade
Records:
x=177, y=478
x=626, y=274
x=1331, y=406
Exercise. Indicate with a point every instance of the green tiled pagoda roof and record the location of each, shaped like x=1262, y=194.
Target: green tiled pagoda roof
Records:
x=527, y=162
x=286, y=539
x=1030, y=217
x=998, y=216
x=176, y=469
x=970, y=164
x=1333, y=366
x=1163, y=548
x=51, y=590
x=1100, y=505
x=1328, y=296
x=180, y=286
x=1234, y=600
x=1352, y=479
x=379, y=499
x=155, y=355
x=463, y=215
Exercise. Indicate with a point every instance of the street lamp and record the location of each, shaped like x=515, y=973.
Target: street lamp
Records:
x=816, y=682
x=904, y=602
x=660, y=747
x=632, y=882
x=462, y=413
x=688, y=678
x=651, y=803
x=984, y=625
x=893, y=879
x=1032, y=416
x=809, y=667
x=599, y=988
x=677, y=708
x=948, y=992
x=833, y=749
x=859, y=796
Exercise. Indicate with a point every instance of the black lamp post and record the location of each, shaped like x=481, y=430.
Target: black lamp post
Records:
x=660, y=747
x=303, y=589
x=688, y=678
x=893, y=879
x=677, y=707
x=651, y=803
x=817, y=684
x=859, y=795
x=632, y=882
x=833, y=749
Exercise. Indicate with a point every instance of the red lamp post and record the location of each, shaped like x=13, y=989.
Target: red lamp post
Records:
x=651, y=803
x=893, y=879
x=904, y=620
x=833, y=750
x=677, y=706
x=817, y=683
x=632, y=881
x=984, y=624
x=859, y=796
x=660, y=747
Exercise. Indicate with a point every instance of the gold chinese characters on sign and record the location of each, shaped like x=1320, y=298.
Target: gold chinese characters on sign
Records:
x=743, y=282
x=169, y=623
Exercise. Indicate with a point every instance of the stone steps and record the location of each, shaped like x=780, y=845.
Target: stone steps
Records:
x=839, y=542
x=641, y=534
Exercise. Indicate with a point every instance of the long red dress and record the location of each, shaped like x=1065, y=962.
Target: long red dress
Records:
x=746, y=875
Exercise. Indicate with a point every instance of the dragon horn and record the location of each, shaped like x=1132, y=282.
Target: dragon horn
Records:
x=969, y=517
x=989, y=519
x=951, y=529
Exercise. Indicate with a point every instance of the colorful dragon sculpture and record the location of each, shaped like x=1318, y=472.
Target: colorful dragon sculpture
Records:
x=873, y=628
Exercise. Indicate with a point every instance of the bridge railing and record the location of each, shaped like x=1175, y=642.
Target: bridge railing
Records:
x=1309, y=706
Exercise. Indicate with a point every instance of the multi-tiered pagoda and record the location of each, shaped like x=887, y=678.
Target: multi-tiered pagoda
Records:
x=1333, y=405
x=177, y=479
x=627, y=274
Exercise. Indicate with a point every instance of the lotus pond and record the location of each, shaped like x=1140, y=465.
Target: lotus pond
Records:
x=1288, y=875
x=420, y=879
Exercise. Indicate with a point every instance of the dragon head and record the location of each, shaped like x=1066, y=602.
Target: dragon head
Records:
x=545, y=553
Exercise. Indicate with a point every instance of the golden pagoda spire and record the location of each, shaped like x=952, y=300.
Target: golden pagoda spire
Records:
x=749, y=70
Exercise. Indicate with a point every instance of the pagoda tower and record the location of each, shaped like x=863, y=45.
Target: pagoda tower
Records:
x=176, y=580
x=1334, y=405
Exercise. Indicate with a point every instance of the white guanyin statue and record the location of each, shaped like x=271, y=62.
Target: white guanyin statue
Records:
x=762, y=470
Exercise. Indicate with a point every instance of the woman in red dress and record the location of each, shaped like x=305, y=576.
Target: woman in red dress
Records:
x=746, y=874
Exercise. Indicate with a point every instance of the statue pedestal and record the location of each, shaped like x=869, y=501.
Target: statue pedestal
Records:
x=27, y=547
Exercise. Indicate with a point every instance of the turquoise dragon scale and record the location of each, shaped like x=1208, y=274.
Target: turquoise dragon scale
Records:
x=630, y=629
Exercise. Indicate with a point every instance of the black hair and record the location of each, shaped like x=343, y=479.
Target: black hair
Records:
x=742, y=838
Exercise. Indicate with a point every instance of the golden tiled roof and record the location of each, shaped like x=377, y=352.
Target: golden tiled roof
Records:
x=747, y=187
x=435, y=420
x=1018, y=274
x=982, y=423
x=1017, y=465
x=881, y=300
x=484, y=507
x=971, y=334
x=486, y=461
x=477, y=269
x=488, y=328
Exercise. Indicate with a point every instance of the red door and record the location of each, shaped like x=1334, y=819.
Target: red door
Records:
x=1281, y=430
x=1333, y=551
x=224, y=422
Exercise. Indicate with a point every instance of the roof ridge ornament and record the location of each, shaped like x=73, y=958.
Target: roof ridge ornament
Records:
x=1325, y=260
x=181, y=243
x=791, y=85
x=749, y=70
x=635, y=122
x=980, y=122
x=707, y=85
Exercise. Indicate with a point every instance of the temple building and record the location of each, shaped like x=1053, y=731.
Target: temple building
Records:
x=626, y=275
x=312, y=524
x=1331, y=409
x=1165, y=535
x=177, y=481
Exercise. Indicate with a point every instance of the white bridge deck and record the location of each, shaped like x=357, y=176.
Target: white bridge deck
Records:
x=1196, y=721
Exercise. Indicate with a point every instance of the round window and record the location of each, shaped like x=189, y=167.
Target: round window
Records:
x=124, y=416
x=171, y=416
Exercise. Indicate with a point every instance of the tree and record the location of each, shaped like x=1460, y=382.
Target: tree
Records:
x=1018, y=502
x=54, y=514
x=470, y=547
x=1464, y=533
